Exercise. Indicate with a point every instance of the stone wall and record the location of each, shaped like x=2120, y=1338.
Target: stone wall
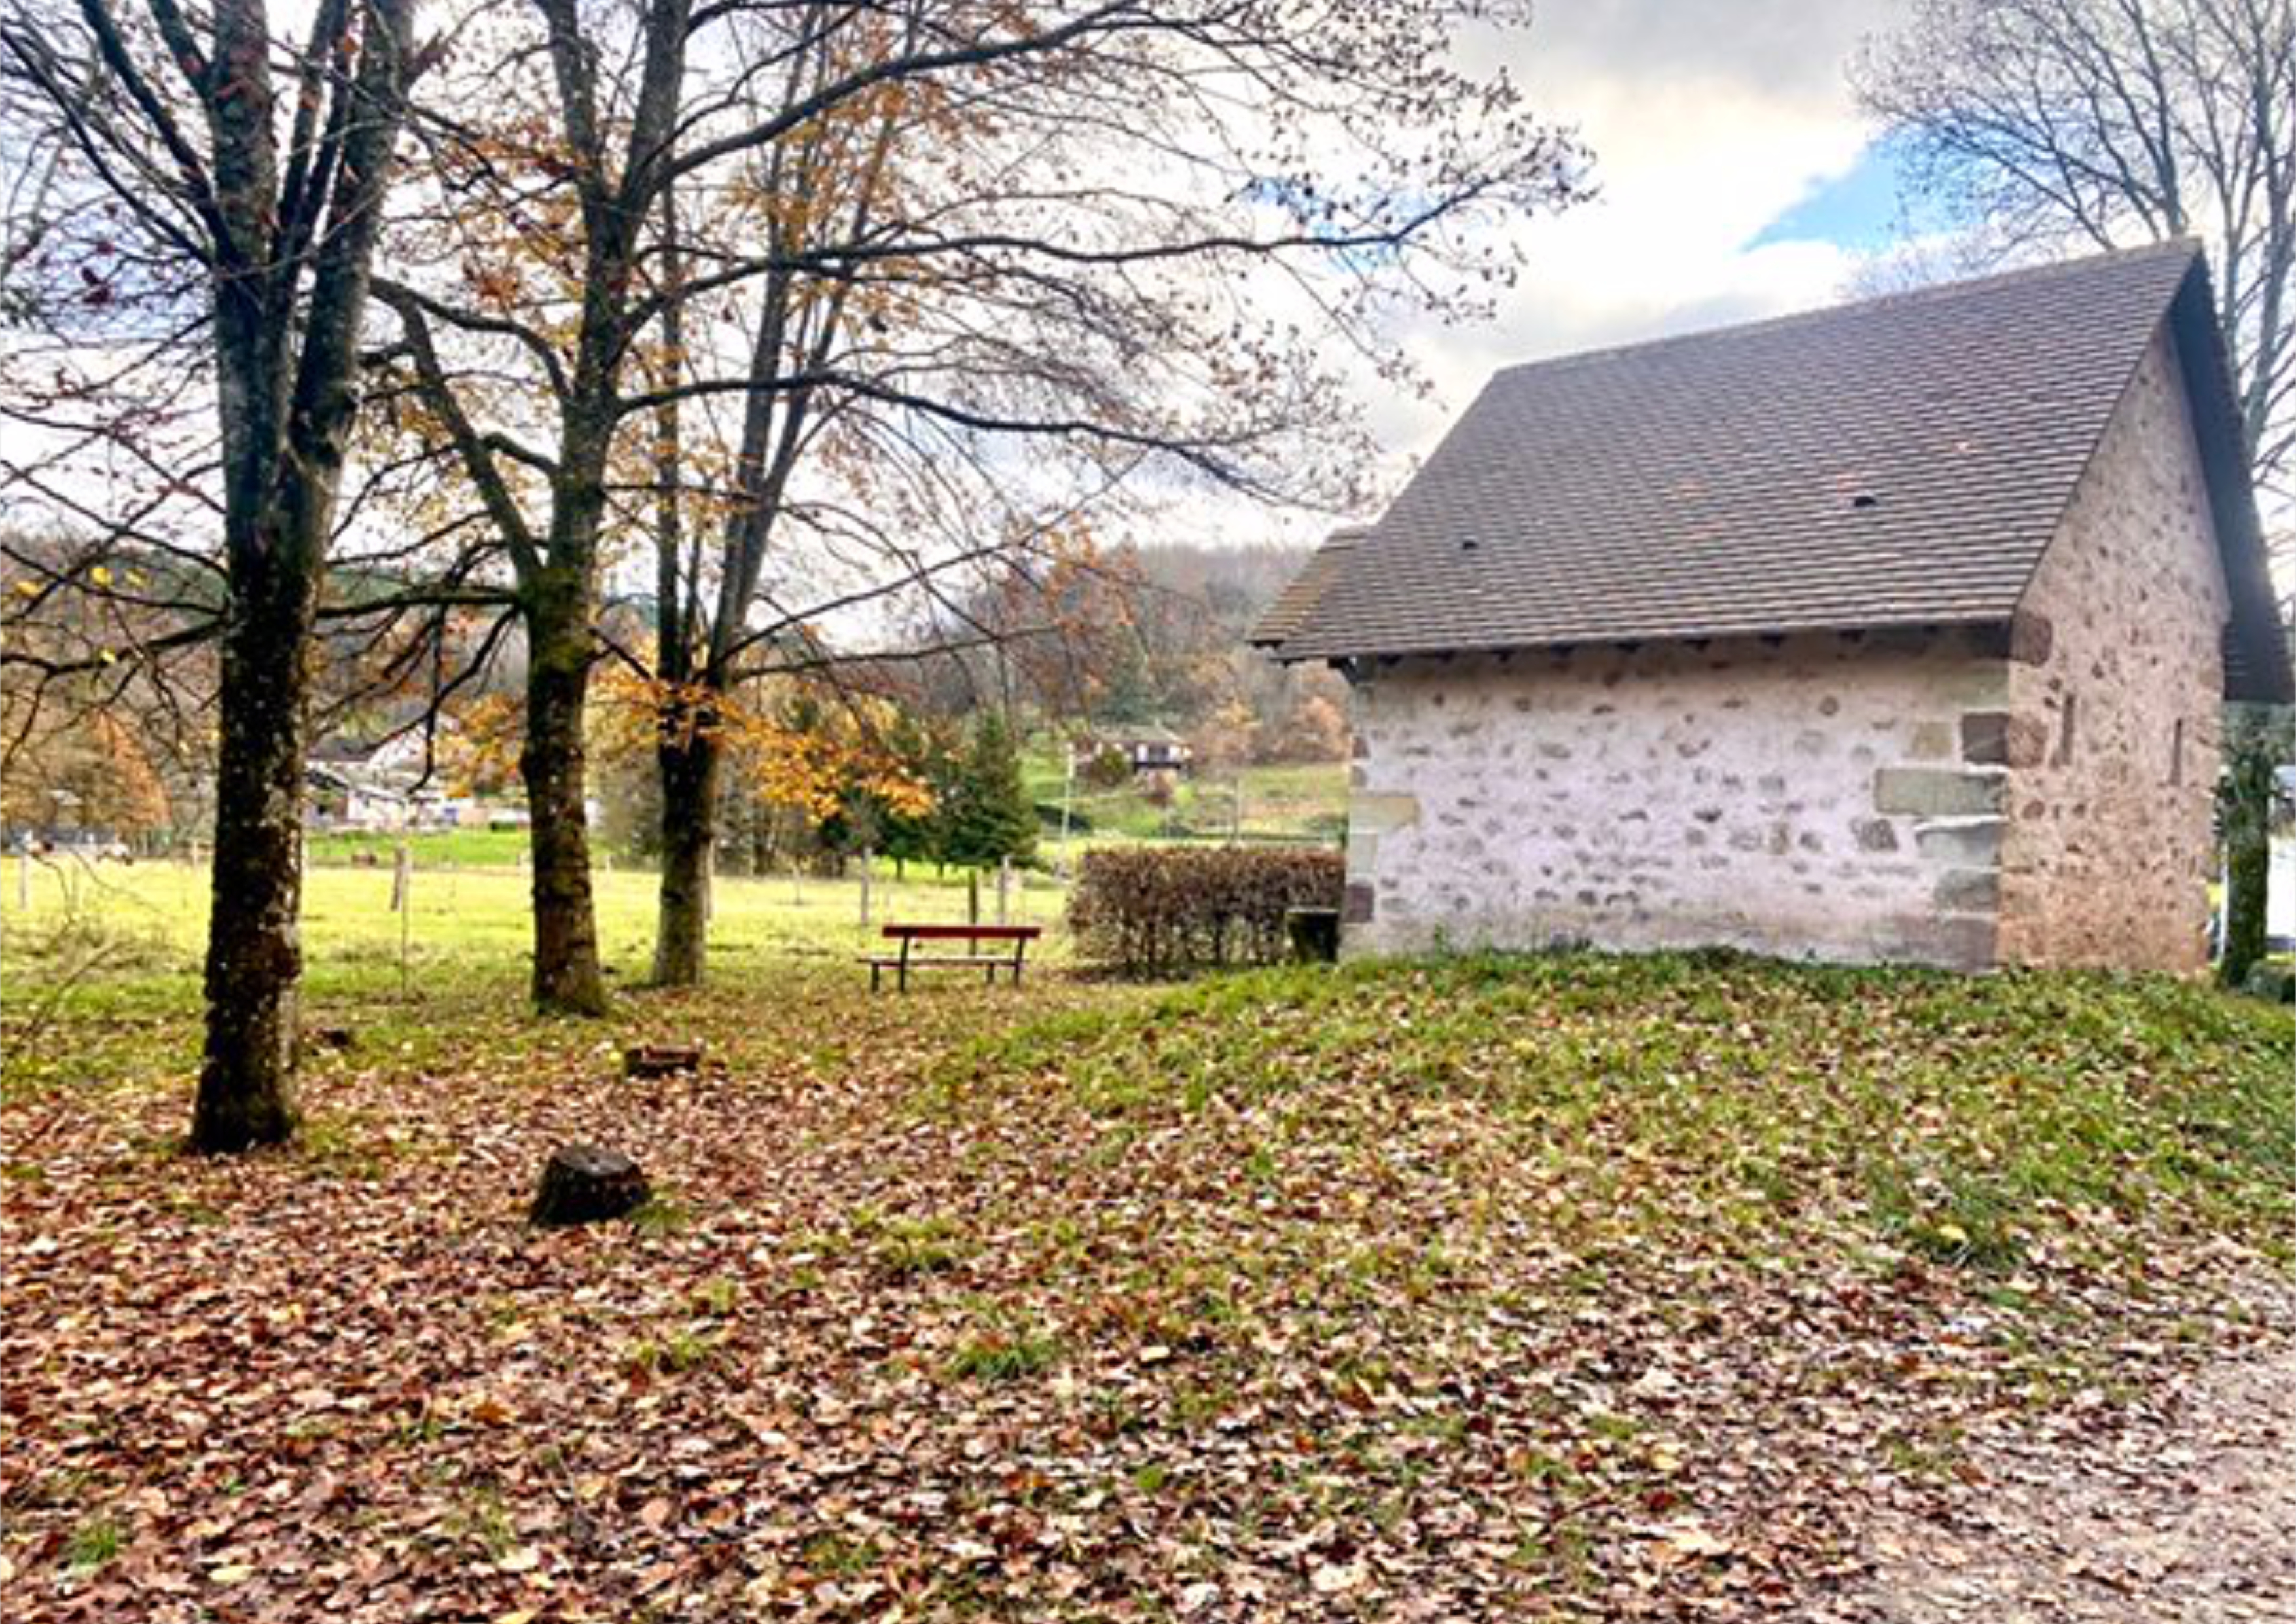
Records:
x=2115, y=703
x=2036, y=794
x=1806, y=797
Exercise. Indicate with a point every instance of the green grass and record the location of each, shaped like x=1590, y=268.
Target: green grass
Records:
x=906, y=1246
x=1975, y=1121
x=111, y=954
x=673, y=1353
x=1567, y=1244
x=431, y=849
x=92, y=1545
x=1004, y=1355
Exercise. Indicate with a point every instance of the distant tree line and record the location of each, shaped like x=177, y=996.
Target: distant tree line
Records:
x=1150, y=635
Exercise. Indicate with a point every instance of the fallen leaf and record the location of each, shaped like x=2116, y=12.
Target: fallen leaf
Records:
x=1336, y=1579
x=1693, y=1539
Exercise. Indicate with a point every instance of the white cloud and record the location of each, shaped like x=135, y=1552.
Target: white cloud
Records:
x=1707, y=122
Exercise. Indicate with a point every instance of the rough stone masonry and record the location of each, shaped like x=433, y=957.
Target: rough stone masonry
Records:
x=2036, y=793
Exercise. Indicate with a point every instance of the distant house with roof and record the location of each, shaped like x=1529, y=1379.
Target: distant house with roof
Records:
x=350, y=785
x=1147, y=747
x=1897, y=631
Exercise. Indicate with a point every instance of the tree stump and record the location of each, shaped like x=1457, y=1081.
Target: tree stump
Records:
x=585, y=1185
x=661, y=1059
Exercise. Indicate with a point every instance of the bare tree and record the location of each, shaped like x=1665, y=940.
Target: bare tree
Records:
x=952, y=266
x=2046, y=123
x=588, y=154
x=207, y=205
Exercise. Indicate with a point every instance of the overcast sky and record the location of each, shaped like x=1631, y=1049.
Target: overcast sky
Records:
x=1733, y=175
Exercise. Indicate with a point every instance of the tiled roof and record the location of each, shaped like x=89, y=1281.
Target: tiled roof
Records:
x=1297, y=601
x=1902, y=460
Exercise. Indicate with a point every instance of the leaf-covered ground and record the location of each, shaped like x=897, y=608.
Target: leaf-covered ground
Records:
x=1572, y=1288
x=2183, y=1510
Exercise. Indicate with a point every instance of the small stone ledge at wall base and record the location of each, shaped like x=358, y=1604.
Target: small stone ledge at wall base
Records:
x=1967, y=942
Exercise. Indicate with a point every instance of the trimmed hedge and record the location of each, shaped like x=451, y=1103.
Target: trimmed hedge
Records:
x=1151, y=910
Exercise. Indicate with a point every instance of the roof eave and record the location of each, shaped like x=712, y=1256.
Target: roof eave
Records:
x=2257, y=668
x=1300, y=652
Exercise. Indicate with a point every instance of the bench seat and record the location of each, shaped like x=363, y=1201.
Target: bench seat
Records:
x=1006, y=950
x=994, y=961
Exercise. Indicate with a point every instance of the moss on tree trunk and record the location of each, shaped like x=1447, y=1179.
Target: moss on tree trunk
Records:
x=567, y=976
x=254, y=948
x=2257, y=740
x=689, y=830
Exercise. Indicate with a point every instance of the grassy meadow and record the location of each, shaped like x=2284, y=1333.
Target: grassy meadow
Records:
x=111, y=952
x=1563, y=1287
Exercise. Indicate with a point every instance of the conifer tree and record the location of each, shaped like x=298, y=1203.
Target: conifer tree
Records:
x=990, y=816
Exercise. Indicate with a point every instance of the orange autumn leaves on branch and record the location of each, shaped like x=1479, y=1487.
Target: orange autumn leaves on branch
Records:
x=82, y=769
x=477, y=751
x=796, y=748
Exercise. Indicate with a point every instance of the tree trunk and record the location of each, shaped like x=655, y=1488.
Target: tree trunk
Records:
x=689, y=832
x=254, y=945
x=2244, y=802
x=285, y=416
x=567, y=979
x=2248, y=870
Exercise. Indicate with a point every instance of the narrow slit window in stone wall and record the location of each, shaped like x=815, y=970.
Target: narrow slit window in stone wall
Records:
x=2176, y=755
x=2064, y=731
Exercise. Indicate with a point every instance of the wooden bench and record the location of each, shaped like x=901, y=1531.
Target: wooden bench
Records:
x=1014, y=938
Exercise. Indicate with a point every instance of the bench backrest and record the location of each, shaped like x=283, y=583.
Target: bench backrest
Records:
x=964, y=933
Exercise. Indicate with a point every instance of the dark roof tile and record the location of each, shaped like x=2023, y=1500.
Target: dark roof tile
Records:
x=1902, y=460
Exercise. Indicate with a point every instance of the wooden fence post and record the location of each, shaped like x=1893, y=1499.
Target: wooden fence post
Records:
x=402, y=897
x=1068, y=807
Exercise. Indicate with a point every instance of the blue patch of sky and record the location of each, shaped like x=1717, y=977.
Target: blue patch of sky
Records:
x=1861, y=209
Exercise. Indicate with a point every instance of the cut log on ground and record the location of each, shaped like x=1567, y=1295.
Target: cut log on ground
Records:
x=661, y=1059
x=584, y=1185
